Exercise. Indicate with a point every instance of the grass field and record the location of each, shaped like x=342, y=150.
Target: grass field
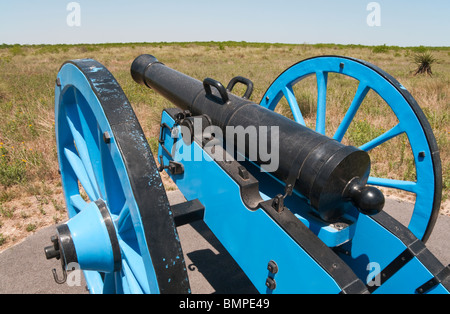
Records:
x=30, y=192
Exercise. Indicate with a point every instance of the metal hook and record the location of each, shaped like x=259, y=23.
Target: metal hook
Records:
x=55, y=276
x=54, y=252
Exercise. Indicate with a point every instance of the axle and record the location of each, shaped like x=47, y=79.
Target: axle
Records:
x=331, y=175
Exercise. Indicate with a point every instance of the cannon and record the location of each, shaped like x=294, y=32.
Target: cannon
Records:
x=296, y=208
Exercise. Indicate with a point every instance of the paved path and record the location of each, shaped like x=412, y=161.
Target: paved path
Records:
x=24, y=269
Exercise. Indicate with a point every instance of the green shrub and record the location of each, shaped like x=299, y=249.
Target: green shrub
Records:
x=424, y=61
x=380, y=49
x=16, y=50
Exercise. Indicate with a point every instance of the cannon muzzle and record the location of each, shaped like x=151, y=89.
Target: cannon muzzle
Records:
x=331, y=175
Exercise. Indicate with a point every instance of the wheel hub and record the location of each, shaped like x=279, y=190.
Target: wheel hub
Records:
x=88, y=239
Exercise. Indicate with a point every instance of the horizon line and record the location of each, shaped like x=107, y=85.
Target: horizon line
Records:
x=5, y=45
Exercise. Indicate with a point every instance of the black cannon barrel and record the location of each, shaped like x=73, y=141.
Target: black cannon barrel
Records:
x=331, y=175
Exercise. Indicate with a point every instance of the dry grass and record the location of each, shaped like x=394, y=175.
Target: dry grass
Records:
x=27, y=75
x=22, y=216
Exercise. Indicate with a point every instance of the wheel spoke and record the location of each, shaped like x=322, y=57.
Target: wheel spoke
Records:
x=122, y=280
x=114, y=193
x=80, y=172
x=132, y=282
x=395, y=131
x=102, y=151
x=90, y=132
x=322, y=81
x=109, y=284
x=124, y=215
x=118, y=282
x=292, y=101
x=361, y=93
x=94, y=281
x=136, y=265
x=84, y=155
x=78, y=202
x=408, y=186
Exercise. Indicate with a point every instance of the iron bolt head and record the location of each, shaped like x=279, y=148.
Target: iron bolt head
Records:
x=271, y=283
x=272, y=267
x=106, y=137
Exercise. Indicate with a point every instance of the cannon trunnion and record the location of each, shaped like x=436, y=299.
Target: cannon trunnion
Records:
x=296, y=209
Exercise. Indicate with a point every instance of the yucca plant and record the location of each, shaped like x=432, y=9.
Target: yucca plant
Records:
x=424, y=60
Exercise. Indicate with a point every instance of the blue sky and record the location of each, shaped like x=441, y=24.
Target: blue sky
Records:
x=403, y=22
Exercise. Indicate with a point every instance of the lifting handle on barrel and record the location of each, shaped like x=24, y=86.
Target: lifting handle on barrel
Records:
x=208, y=82
x=243, y=80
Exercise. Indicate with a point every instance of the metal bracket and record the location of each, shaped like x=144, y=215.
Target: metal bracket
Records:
x=278, y=201
x=393, y=267
x=443, y=275
x=188, y=212
x=174, y=167
x=161, y=138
